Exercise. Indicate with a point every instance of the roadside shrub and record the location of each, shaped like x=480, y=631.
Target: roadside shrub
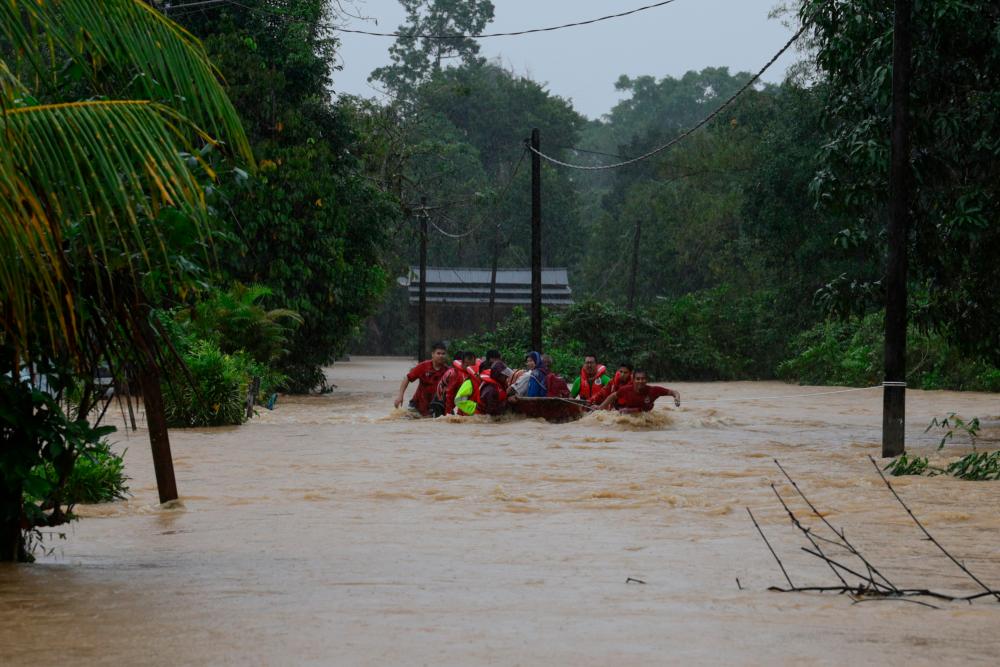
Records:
x=718, y=334
x=213, y=390
x=236, y=321
x=837, y=352
x=850, y=352
x=707, y=335
x=98, y=476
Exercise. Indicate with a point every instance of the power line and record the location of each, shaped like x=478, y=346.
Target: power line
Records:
x=418, y=35
x=587, y=150
x=684, y=135
x=201, y=5
x=499, y=199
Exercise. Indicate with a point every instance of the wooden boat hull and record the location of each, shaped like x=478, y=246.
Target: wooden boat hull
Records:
x=552, y=409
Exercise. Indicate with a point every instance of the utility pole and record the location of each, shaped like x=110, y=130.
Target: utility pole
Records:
x=422, y=302
x=635, y=262
x=493, y=275
x=894, y=387
x=536, y=242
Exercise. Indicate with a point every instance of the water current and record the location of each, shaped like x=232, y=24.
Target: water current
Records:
x=335, y=530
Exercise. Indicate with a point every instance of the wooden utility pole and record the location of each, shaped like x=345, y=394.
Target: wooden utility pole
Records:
x=493, y=275
x=422, y=302
x=635, y=263
x=894, y=387
x=536, y=242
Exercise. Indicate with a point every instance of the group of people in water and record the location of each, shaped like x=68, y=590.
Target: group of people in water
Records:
x=470, y=385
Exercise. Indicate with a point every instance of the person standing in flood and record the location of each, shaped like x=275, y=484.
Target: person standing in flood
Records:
x=428, y=374
x=638, y=396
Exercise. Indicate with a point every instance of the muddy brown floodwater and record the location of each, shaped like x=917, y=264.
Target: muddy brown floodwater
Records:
x=335, y=530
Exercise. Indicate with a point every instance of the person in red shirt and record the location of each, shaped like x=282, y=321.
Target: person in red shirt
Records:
x=638, y=396
x=623, y=376
x=429, y=374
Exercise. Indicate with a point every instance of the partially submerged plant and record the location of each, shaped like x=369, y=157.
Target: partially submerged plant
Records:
x=904, y=465
x=977, y=466
x=955, y=423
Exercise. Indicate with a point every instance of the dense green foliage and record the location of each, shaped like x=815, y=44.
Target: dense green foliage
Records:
x=111, y=119
x=955, y=102
x=309, y=226
x=850, y=352
x=212, y=390
x=414, y=60
x=40, y=445
x=235, y=320
x=224, y=343
x=697, y=336
x=98, y=476
x=760, y=250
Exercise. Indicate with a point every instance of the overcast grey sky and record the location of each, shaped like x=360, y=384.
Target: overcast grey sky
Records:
x=583, y=63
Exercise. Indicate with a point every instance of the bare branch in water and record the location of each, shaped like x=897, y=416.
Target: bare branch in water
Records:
x=930, y=537
x=869, y=588
x=805, y=531
x=763, y=537
x=841, y=535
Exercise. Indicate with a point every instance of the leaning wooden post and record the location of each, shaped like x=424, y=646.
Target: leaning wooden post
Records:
x=156, y=422
x=536, y=242
x=894, y=389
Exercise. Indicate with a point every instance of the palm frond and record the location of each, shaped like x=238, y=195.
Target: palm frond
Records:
x=135, y=41
x=83, y=177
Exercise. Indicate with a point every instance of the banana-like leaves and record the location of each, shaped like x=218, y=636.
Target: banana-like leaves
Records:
x=162, y=61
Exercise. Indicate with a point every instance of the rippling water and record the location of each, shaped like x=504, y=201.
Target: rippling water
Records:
x=335, y=530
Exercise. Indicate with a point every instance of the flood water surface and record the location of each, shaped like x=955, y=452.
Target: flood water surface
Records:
x=335, y=530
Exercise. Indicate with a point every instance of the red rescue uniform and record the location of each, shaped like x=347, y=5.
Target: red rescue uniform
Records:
x=629, y=398
x=429, y=378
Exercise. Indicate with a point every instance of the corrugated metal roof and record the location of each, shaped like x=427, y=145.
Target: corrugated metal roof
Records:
x=472, y=286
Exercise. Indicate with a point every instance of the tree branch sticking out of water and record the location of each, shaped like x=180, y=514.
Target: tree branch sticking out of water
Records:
x=871, y=586
x=930, y=537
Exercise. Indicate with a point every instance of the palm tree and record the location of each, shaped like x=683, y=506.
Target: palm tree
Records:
x=107, y=113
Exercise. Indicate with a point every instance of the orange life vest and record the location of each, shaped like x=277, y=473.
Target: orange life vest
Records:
x=616, y=383
x=586, y=391
x=489, y=380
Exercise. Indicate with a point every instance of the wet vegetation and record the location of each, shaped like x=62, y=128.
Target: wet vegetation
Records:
x=760, y=238
x=190, y=239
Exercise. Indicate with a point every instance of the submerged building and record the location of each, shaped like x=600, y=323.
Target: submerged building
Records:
x=458, y=300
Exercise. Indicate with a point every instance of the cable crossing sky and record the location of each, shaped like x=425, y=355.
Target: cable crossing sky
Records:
x=485, y=35
x=170, y=7
x=684, y=135
x=500, y=197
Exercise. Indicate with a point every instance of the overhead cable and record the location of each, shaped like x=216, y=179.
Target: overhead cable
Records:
x=496, y=204
x=684, y=135
x=485, y=35
x=414, y=35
